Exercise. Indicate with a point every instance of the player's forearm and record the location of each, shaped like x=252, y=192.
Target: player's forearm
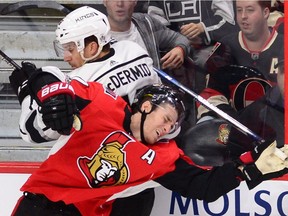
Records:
x=32, y=128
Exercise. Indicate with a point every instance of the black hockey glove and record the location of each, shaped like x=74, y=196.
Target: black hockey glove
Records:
x=265, y=162
x=57, y=102
x=18, y=79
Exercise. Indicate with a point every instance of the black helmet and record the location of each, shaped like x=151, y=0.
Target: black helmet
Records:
x=160, y=94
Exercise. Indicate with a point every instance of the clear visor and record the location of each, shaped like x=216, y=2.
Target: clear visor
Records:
x=64, y=49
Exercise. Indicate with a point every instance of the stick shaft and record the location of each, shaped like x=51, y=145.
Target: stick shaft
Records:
x=210, y=106
x=9, y=60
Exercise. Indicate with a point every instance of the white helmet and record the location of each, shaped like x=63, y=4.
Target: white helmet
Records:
x=80, y=24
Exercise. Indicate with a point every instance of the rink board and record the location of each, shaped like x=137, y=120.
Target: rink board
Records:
x=269, y=198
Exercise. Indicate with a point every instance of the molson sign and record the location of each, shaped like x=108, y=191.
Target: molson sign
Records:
x=268, y=198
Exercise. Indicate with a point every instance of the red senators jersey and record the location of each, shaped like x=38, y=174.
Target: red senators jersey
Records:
x=94, y=165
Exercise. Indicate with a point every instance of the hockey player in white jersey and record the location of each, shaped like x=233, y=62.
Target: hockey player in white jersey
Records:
x=83, y=39
x=119, y=65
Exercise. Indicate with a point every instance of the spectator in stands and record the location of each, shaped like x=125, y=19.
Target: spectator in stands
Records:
x=148, y=32
x=256, y=46
x=203, y=22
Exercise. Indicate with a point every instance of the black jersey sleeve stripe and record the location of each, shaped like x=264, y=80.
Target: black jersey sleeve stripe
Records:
x=35, y=135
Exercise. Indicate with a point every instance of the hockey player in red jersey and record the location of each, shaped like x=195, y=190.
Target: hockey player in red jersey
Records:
x=118, y=151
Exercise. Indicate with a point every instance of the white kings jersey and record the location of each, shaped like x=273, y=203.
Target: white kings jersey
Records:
x=125, y=70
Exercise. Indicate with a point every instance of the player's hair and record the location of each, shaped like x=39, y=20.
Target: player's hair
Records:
x=93, y=38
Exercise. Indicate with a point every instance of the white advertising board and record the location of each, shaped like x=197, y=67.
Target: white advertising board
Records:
x=269, y=198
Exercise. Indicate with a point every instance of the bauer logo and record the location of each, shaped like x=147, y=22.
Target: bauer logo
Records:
x=55, y=89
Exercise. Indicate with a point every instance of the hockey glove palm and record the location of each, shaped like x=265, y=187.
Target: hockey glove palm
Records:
x=266, y=161
x=272, y=160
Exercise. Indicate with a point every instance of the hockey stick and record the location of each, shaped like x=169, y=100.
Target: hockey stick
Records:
x=77, y=123
x=210, y=106
x=9, y=61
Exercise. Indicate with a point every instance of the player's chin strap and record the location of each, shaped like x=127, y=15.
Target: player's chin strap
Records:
x=143, y=117
x=92, y=57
